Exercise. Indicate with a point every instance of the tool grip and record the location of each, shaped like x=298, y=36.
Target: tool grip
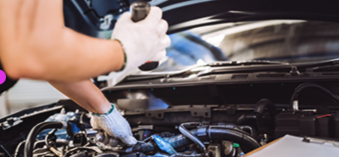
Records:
x=139, y=12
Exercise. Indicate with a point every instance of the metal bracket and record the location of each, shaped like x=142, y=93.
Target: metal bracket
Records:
x=158, y=114
x=12, y=121
x=201, y=112
x=294, y=71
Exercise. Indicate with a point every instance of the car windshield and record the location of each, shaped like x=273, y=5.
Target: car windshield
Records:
x=273, y=40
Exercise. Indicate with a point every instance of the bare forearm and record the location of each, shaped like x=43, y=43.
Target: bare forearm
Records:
x=71, y=58
x=37, y=45
x=82, y=57
x=85, y=94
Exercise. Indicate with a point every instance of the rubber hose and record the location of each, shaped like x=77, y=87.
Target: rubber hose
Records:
x=303, y=86
x=244, y=118
x=193, y=138
x=30, y=140
x=265, y=103
x=247, y=143
x=51, y=133
x=259, y=110
x=249, y=128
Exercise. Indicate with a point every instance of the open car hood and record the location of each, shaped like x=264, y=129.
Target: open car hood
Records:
x=97, y=18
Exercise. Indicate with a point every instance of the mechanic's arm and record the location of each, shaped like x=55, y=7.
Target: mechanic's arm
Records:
x=87, y=95
x=34, y=43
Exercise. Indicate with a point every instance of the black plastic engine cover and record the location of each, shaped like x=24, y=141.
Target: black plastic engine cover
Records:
x=306, y=124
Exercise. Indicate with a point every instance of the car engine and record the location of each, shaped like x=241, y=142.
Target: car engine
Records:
x=164, y=126
x=70, y=134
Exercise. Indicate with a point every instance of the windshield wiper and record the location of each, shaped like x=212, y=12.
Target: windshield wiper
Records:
x=256, y=66
x=202, y=68
x=324, y=66
x=243, y=63
x=244, y=67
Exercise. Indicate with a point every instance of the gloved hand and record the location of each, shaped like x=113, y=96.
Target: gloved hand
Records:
x=114, y=125
x=106, y=139
x=142, y=41
x=115, y=77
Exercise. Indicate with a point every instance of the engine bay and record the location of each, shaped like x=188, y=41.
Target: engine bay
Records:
x=214, y=120
x=225, y=109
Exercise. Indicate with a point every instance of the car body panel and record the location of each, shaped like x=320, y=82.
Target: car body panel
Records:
x=89, y=18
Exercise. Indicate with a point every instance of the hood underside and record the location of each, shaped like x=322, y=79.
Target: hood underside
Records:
x=90, y=17
x=182, y=15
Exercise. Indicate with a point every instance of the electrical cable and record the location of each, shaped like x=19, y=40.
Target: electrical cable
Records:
x=17, y=149
x=47, y=142
x=303, y=86
x=30, y=140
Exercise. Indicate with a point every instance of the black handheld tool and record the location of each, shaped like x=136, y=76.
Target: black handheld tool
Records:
x=139, y=12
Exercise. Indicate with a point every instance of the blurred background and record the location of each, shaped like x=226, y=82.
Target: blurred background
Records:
x=27, y=93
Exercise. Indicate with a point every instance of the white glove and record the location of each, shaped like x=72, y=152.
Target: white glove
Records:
x=115, y=77
x=106, y=139
x=142, y=41
x=114, y=125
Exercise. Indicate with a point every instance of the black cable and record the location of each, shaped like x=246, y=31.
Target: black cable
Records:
x=39, y=143
x=17, y=149
x=49, y=140
x=236, y=152
x=48, y=136
x=303, y=86
x=5, y=150
x=35, y=131
x=147, y=139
